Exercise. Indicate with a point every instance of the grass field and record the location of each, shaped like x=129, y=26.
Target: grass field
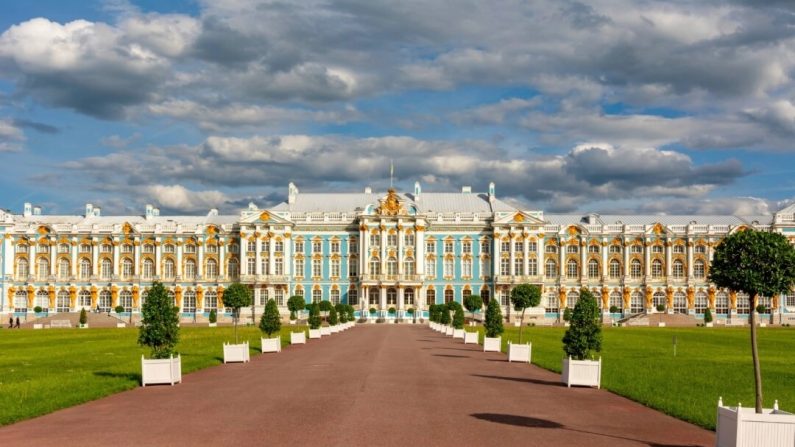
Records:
x=639, y=363
x=42, y=371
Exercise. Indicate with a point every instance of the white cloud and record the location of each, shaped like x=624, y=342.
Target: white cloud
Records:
x=178, y=198
x=11, y=136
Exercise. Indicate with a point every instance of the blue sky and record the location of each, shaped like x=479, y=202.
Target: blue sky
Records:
x=610, y=106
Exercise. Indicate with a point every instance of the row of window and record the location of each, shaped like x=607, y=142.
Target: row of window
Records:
x=127, y=269
x=614, y=269
x=104, y=300
x=125, y=248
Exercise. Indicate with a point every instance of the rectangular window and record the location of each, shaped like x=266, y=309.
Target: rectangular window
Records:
x=485, y=268
x=505, y=267
x=278, y=295
x=375, y=240
x=264, y=266
x=278, y=266
x=518, y=247
x=316, y=268
x=485, y=247
x=532, y=246
x=251, y=266
x=190, y=249
x=251, y=247
x=532, y=267
x=263, y=297
x=335, y=246
x=353, y=246
x=335, y=268
x=299, y=268
x=409, y=239
x=505, y=247
x=391, y=240
x=518, y=266
x=429, y=268
x=448, y=267
x=430, y=247
x=466, y=247
x=278, y=247
x=448, y=246
x=299, y=246
x=353, y=267
x=317, y=247
x=551, y=249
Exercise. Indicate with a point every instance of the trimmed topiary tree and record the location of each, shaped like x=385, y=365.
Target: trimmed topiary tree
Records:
x=473, y=303
x=332, y=317
x=342, y=311
x=295, y=304
x=522, y=297
x=458, y=318
x=325, y=307
x=314, y=316
x=567, y=315
x=585, y=333
x=270, y=321
x=433, y=314
x=83, y=316
x=493, y=320
x=119, y=309
x=410, y=311
x=444, y=315
x=707, y=315
x=160, y=323
x=235, y=297
x=350, y=310
x=37, y=309
x=758, y=263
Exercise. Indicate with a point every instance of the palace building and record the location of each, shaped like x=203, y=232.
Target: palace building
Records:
x=374, y=250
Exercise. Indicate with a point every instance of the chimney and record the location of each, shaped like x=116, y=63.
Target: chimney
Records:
x=97, y=212
x=156, y=212
x=492, y=194
x=27, y=211
x=292, y=192
x=89, y=210
x=37, y=211
x=466, y=190
x=213, y=212
x=417, y=191
x=149, y=211
x=368, y=190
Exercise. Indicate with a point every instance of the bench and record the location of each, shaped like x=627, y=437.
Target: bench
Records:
x=60, y=324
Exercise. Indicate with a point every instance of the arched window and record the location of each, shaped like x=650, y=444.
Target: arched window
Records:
x=656, y=269
x=373, y=296
x=449, y=267
x=23, y=269
x=211, y=269
x=572, y=269
x=232, y=268
x=210, y=301
x=335, y=296
x=721, y=303
x=616, y=300
x=635, y=270
x=408, y=266
x=551, y=269
x=62, y=301
x=190, y=270
x=408, y=297
x=448, y=295
x=375, y=266
x=636, y=302
x=169, y=271
x=317, y=296
x=678, y=269
x=104, y=301
x=21, y=301
x=84, y=299
x=106, y=269
x=658, y=299
x=572, y=298
x=485, y=294
x=43, y=268
x=698, y=269
x=743, y=304
x=148, y=271
x=701, y=303
x=42, y=300
x=532, y=267
x=189, y=301
x=615, y=269
x=353, y=297
x=466, y=268
x=552, y=302
x=430, y=297
x=125, y=300
x=680, y=303
x=85, y=268
x=391, y=266
x=127, y=268
x=593, y=268
x=391, y=297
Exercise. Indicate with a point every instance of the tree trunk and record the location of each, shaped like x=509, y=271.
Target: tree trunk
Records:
x=755, y=355
x=235, y=314
x=521, y=326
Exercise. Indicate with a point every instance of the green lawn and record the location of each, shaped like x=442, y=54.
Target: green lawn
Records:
x=639, y=363
x=43, y=371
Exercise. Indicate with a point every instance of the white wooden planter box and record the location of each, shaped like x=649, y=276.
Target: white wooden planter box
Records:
x=315, y=333
x=661, y=324
x=449, y=331
x=519, y=353
x=582, y=372
x=271, y=344
x=158, y=371
x=470, y=337
x=83, y=326
x=297, y=338
x=236, y=353
x=38, y=326
x=517, y=323
x=293, y=322
x=120, y=325
x=492, y=344
x=325, y=330
x=708, y=324
x=212, y=324
x=738, y=426
x=458, y=333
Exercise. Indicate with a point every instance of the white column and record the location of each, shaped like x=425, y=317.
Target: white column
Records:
x=605, y=267
x=157, y=260
x=94, y=258
x=401, y=298
x=383, y=236
x=668, y=268
x=562, y=257
x=647, y=257
x=287, y=261
x=382, y=296
x=178, y=269
x=271, y=256
x=512, y=256
x=364, y=251
x=400, y=244
x=583, y=261
x=540, y=261
x=116, y=269
x=53, y=253
x=525, y=254
x=689, y=259
x=200, y=259
x=136, y=258
x=626, y=258
x=257, y=255
x=419, y=244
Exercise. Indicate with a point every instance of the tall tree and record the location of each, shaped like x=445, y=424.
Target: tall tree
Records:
x=160, y=324
x=522, y=297
x=270, y=321
x=759, y=263
x=473, y=303
x=235, y=297
x=585, y=331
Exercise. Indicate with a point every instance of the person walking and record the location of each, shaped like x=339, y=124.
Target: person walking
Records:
x=18, y=326
x=11, y=322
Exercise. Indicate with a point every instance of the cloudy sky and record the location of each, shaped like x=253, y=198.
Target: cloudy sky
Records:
x=685, y=106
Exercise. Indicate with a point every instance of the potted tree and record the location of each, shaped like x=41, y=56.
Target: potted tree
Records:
x=758, y=263
x=494, y=329
x=160, y=332
x=391, y=313
x=119, y=310
x=314, y=321
x=444, y=319
x=351, y=314
x=412, y=315
x=342, y=311
x=448, y=308
x=83, y=320
x=295, y=304
x=236, y=297
x=458, y=322
x=707, y=317
x=583, y=337
x=325, y=307
x=333, y=320
x=433, y=317
x=372, y=313
x=522, y=297
x=566, y=316
x=269, y=323
x=213, y=318
x=473, y=303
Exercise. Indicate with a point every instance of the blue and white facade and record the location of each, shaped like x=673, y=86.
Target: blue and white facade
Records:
x=374, y=251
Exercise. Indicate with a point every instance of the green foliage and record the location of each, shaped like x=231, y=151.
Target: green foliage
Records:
x=660, y=308
x=342, y=311
x=332, y=317
x=444, y=315
x=524, y=296
x=373, y=310
x=707, y=316
x=296, y=304
x=235, y=297
x=350, y=309
x=614, y=309
x=37, y=309
x=213, y=317
x=585, y=333
x=325, y=306
x=119, y=309
x=314, y=316
x=410, y=311
x=567, y=314
x=458, y=318
x=493, y=321
x=473, y=303
x=452, y=306
x=160, y=324
x=83, y=316
x=270, y=321
x=761, y=309
x=392, y=311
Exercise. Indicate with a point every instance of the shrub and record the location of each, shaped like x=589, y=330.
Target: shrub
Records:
x=493, y=321
x=458, y=318
x=473, y=303
x=119, y=309
x=444, y=316
x=314, y=316
x=342, y=311
x=567, y=314
x=392, y=311
x=614, y=309
x=270, y=321
x=707, y=316
x=37, y=309
x=350, y=310
x=83, y=316
x=373, y=310
x=524, y=296
x=332, y=317
x=296, y=304
x=660, y=308
x=235, y=297
x=433, y=313
x=410, y=311
x=761, y=309
x=585, y=333
x=160, y=323
x=325, y=306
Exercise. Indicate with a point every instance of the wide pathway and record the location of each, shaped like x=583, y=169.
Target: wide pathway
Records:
x=385, y=385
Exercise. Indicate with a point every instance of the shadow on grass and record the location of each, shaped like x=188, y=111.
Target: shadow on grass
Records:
x=522, y=380
x=136, y=377
x=530, y=422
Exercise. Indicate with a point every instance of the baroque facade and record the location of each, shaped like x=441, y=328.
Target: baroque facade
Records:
x=371, y=250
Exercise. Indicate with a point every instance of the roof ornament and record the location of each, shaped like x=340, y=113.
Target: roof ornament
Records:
x=390, y=206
